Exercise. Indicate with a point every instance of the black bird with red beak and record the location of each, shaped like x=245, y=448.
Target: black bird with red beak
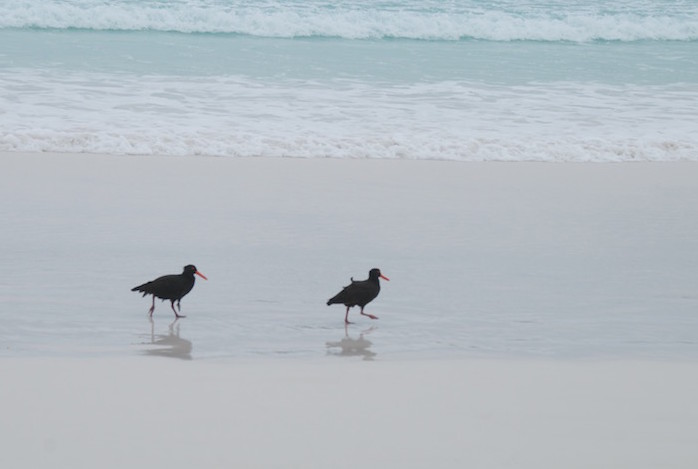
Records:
x=359, y=293
x=171, y=287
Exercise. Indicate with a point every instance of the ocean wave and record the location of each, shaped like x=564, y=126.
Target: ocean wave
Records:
x=423, y=20
x=236, y=116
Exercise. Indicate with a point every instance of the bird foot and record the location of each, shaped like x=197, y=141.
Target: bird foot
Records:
x=179, y=316
x=370, y=315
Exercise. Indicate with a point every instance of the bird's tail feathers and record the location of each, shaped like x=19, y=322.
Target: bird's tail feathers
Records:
x=142, y=288
x=338, y=298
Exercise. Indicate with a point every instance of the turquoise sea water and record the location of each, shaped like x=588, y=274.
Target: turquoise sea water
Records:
x=463, y=80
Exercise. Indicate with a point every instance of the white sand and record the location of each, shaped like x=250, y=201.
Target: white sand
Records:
x=531, y=263
x=116, y=413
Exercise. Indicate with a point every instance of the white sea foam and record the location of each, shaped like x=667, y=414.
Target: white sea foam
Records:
x=124, y=114
x=430, y=20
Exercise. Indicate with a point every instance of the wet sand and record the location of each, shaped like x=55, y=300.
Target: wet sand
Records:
x=538, y=315
x=523, y=260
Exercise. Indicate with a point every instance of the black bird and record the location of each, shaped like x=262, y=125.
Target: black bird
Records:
x=359, y=293
x=170, y=287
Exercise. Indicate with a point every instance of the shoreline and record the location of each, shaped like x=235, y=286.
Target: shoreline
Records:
x=43, y=153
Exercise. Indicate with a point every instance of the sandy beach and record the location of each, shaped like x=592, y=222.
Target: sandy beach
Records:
x=538, y=315
x=312, y=414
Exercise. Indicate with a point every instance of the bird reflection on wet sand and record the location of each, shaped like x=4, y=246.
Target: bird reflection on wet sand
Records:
x=169, y=345
x=348, y=347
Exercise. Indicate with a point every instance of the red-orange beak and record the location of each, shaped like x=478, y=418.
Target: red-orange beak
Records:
x=200, y=275
x=384, y=277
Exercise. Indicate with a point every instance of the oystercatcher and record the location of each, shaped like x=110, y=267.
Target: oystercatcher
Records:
x=170, y=287
x=359, y=293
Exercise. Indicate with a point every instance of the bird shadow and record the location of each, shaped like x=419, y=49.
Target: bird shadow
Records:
x=171, y=345
x=350, y=347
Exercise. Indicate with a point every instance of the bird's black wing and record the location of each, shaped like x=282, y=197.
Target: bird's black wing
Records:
x=166, y=287
x=358, y=292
